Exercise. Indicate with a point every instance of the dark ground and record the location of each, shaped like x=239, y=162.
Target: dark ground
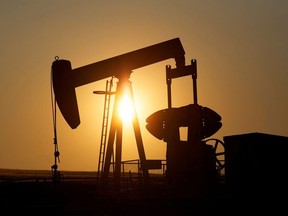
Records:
x=79, y=194
x=76, y=198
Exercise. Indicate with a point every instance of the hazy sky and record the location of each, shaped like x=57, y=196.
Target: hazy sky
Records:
x=241, y=48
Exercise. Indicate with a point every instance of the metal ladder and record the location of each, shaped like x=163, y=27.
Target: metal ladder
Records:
x=109, y=84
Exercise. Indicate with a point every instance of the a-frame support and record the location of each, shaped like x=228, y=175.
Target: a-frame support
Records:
x=116, y=132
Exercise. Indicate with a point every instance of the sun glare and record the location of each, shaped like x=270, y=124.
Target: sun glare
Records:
x=126, y=110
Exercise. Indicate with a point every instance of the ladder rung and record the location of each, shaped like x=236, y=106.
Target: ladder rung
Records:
x=104, y=125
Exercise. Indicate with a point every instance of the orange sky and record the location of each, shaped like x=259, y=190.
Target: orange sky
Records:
x=241, y=48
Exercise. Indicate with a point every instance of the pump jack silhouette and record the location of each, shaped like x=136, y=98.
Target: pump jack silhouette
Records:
x=161, y=124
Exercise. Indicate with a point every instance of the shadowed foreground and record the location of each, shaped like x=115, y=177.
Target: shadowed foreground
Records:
x=81, y=199
x=79, y=194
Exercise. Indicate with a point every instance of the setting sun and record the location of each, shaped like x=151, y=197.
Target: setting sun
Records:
x=126, y=109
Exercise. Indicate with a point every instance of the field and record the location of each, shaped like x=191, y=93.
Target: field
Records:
x=33, y=192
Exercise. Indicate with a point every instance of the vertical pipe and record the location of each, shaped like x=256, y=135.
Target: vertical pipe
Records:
x=119, y=131
x=168, y=82
x=194, y=78
x=169, y=148
x=118, y=157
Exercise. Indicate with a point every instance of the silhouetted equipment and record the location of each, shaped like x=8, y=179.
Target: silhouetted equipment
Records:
x=192, y=163
x=183, y=117
x=216, y=145
x=64, y=90
x=66, y=79
x=54, y=167
x=103, y=141
x=256, y=167
x=255, y=164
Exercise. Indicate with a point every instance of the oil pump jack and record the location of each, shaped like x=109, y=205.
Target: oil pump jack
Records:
x=66, y=79
x=163, y=124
